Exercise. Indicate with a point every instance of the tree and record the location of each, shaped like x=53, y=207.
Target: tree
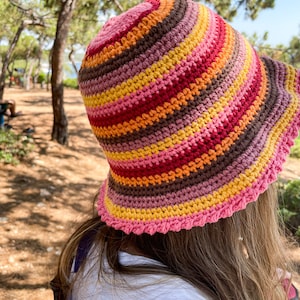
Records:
x=289, y=54
x=39, y=54
x=64, y=24
x=30, y=53
x=60, y=122
x=294, y=51
x=27, y=50
x=83, y=28
x=9, y=17
x=26, y=17
x=67, y=8
x=228, y=9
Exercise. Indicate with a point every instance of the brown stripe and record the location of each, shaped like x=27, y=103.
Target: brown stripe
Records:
x=178, y=114
x=217, y=166
x=155, y=34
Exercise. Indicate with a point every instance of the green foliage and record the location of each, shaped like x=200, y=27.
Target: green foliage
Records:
x=286, y=214
x=294, y=51
x=107, y=7
x=289, y=54
x=228, y=9
x=289, y=205
x=14, y=147
x=26, y=48
x=295, y=151
x=291, y=196
x=9, y=20
x=298, y=233
x=41, y=78
x=71, y=83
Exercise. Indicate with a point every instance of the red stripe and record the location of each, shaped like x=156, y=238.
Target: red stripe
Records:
x=209, y=141
x=151, y=101
x=92, y=50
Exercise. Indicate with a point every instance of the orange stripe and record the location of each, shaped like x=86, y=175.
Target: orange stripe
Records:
x=224, y=193
x=168, y=108
x=132, y=36
x=205, y=158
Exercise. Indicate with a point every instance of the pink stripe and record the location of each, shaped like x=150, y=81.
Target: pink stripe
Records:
x=112, y=32
x=222, y=210
x=142, y=62
x=180, y=124
x=283, y=101
x=298, y=82
x=175, y=127
x=198, y=138
x=204, y=188
x=139, y=97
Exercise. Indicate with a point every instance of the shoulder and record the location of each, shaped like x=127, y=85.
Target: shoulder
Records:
x=158, y=286
x=165, y=287
x=133, y=287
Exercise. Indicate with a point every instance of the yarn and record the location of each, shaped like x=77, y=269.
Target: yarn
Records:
x=194, y=124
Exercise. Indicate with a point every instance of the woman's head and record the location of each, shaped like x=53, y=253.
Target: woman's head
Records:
x=234, y=258
x=229, y=253
x=194, y=124
x=195, y=127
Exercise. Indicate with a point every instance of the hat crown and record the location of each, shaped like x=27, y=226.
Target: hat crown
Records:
x=193, y=123
x=117, y=27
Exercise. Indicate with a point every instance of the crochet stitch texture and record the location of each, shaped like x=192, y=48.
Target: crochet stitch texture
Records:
x=194, y=124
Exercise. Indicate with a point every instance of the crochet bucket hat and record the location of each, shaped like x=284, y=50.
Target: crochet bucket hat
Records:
x=194, y=124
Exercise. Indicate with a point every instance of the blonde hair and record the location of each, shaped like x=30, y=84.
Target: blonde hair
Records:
x=235, y=258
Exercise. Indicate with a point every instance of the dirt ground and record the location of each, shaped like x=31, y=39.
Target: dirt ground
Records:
x=43, y=198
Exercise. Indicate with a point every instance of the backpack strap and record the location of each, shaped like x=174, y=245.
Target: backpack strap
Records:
x=83, y=249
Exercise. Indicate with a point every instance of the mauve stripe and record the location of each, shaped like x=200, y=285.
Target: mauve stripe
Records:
x=140, y=63
x=297, y=83
x=170, y=125
x=232, y=171
x=200, y=142
x=173, y=122
x=211, y=215
x=165, y=161
x=154, y=35
x=192, y=115
x=195, y=191
x=157, y=92
x=200, y=218
x=280, y=74
x=197, y=144
x=216, y=166
x=96, y=46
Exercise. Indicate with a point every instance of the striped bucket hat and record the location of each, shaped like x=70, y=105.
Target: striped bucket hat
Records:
x=194, y=124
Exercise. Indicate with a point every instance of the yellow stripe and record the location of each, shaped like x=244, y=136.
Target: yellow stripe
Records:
x=156, y=70
x=175, y=103
x=131, y=37
x=205, y=158
x=229, y=190
x=199, y=124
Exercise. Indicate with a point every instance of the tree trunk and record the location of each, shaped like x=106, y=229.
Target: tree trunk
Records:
x=28, y=78
x=49, y=69
x=71, y=58
x=25, y=75
x=10, y=74
x=11, y=48
x=39, y=60
x=7, y=58
x=60, y=122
